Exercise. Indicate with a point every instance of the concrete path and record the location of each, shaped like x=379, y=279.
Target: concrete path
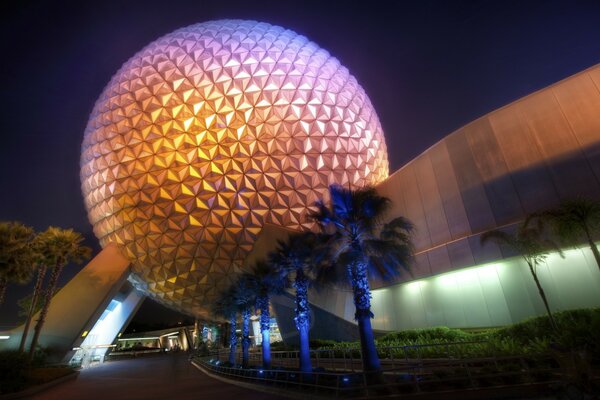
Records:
x=168, y=376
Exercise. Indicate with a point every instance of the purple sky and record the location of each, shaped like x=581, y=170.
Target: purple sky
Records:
x=429, y=67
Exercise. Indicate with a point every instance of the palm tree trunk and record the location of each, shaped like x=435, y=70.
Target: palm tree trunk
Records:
x=3, y=284
x=593, y=246
x=302, y=319
x=232, y=340
x=34, y=300
x=245, y=337
x=265, y=325
x=44, y=311
x=543, y=296
x=363, y=315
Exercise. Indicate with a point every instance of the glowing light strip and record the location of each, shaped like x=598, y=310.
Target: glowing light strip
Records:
x=140, y=338
x=169, y=334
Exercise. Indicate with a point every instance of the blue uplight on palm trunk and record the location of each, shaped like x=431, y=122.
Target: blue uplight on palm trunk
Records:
x=302, y=319
x=264, y=281
x=245, y=336
x=363, y=245
x=232, y=339
x=301, y=255
x=262, y=303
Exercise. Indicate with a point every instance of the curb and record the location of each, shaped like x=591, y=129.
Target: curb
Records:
x=260, y=388
x=40, y=388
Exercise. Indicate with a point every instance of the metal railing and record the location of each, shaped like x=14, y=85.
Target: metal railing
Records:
x=404, y=371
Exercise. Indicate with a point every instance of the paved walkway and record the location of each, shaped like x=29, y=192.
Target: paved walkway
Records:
x=168, y=376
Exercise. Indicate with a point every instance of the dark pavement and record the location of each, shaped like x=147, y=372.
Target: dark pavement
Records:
x=168, y=376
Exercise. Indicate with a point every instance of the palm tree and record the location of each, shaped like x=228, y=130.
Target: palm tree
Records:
x=245, y=298
x=57, y=247
x=529, y=243
x=226, y=307
x=363, y=246
x=16, y=254
x=265, y=282
x=42, y=268
x=35, y=300
x=302, y=255
x=575, y=219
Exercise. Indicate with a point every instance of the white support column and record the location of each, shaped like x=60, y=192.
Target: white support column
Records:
x=77, y=307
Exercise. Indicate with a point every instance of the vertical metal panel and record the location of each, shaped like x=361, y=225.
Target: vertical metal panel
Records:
x=420, y=267
x=490, y=162
x=433, y=304
x=380, y=304
x=483, y=253
x=452, y=302
x=514, y=287
x=411, y=298
x=579, y=99
x=401, y=311
x=414, y=207
x=393, y=189
x=494, y=296
x=595, y=75
x=528, y=170
x=470, y=183
x=439, y=260
x=472, y=298
x=570, y=172
x=449, y=192
x=432, y=202
x=460, y=254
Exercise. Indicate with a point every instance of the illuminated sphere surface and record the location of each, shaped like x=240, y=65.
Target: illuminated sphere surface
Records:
x=207, y=134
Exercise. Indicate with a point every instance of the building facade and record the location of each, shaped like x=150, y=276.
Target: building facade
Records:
x=490, y=174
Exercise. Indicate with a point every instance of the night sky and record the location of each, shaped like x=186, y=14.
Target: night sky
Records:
x=429, y=67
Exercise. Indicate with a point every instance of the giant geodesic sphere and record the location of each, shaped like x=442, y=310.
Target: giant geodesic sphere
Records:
x=207, y=134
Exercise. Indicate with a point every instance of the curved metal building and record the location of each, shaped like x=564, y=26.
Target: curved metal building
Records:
x=489, y=174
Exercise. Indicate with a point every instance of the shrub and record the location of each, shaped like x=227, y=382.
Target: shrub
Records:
x=577, y=331
x=442, y=333
x=14, y=368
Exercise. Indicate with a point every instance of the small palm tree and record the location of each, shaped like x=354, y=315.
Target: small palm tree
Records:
x=56, y=248
x=245, y=298
x=16, y=254
x=35, y=301
x=363, y=246
x=37, y=289
x=226, y=307
x=529, y=243
x=301, y=255
x=265, y=282
x=574, y=220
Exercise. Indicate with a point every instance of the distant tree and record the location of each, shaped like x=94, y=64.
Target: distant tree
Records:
x=528, y=241
x=56, y=248
x=16, y=255
x=300, y=256
x=245, y=297
x=226, y=307
x=265, y=282
x=363, y=245
x=575, y=220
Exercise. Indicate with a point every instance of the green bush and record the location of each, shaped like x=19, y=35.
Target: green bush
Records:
x=578, y=330
x=14, y=369
x=424, y=335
